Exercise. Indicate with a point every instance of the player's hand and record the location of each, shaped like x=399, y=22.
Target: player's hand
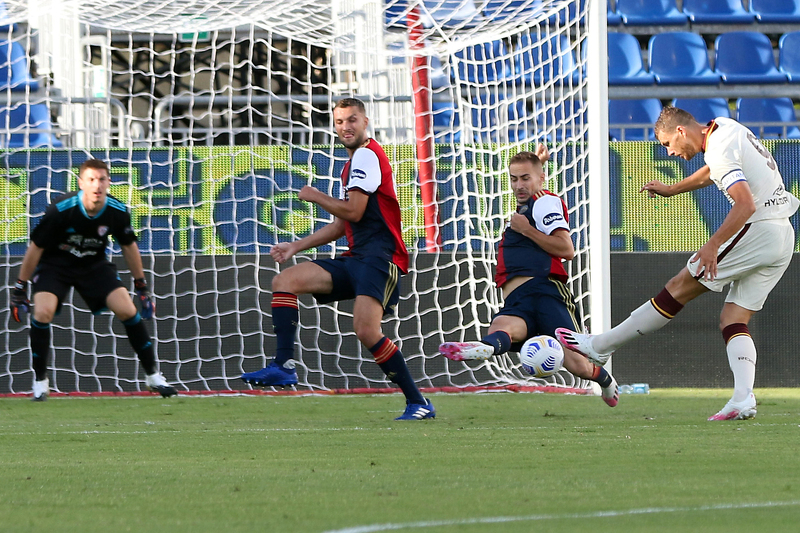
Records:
x=656, y=188
x=19, y=300
x=542, y=153
x=307, y=193
x=282, y=252
x=706, y=259
x=519, y=223
x=145, y=298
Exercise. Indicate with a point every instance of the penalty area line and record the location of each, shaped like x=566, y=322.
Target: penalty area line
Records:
x=571, y=516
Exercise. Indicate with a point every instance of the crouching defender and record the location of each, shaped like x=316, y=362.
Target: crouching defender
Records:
x=68, y=249
x=532, y=277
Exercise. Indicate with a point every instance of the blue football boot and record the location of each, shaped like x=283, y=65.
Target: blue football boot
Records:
x=271, y=376
x=418, y=411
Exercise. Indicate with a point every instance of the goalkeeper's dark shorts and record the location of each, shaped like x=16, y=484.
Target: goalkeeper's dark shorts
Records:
x=544, y=304
x=94, y=283
x=367, y=276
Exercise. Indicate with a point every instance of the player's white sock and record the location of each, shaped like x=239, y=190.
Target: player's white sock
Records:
x=642, y=321
x=742, y=359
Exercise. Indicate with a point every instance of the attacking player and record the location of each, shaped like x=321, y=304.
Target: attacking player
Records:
x=369, y=215
x=68, y=249
x=532, y=277
x=748, y=253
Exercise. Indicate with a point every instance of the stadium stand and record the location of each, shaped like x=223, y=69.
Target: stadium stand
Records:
x=762, y=114
x=633, y=119
x=538, y=65
x=614, y=18
x=650, y=12
x=776, y=11
x=625, y=66
x=746, y=57
x=14, y=68
x=789, y=56
x=704, y=109
x=474, y=63
x=680, y=58
x=717, y=12
x=25, y=126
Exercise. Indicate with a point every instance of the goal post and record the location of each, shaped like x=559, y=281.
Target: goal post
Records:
x=215, y=113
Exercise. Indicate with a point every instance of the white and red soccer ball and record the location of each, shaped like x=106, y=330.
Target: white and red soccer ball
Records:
x=541, y=356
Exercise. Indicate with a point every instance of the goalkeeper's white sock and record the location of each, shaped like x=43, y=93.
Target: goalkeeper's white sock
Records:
x=742, y=358
x=642, y=321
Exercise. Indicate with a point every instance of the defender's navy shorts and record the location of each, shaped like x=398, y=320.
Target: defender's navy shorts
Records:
x=355, y=276
x=544, y=304
x=93, y=283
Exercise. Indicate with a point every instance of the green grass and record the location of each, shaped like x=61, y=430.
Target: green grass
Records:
x=489, y=462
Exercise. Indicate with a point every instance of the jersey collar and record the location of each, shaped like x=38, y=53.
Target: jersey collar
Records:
x=712, y=127
x=83, y=208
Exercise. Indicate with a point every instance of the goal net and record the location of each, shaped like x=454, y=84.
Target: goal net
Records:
x=213, y=114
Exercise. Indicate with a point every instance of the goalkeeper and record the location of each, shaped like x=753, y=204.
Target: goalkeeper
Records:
x=532, y=277
x=68, y=249
x=368, y=214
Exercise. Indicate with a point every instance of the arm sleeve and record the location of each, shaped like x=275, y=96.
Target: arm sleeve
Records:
x=365, y=171
x=124, y=233
x=725, y=165
x=548, y=213
x=44, y=234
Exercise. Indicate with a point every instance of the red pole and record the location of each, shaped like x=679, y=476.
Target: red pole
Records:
x=423, y=128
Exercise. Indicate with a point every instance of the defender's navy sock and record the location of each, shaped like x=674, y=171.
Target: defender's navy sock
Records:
x=499, y=340
x=393, y=364
x=601, y=376
x=285, y=316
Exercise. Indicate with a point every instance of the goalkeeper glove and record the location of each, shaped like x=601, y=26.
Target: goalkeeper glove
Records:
x=145, y=298
x=19, y=300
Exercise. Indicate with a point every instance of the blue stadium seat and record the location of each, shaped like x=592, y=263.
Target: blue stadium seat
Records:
x=746, y=57
x=625, y=65
x=448, y=13
x=538, y=63
x=717, y=12
x=680, y=58
x=486, y=118
x=481, y=63
x=782, y=11
x=789, y=56
x=505, y=10
x=16, y=123
x=14, y=71
x=613, y=18
x=750, y=111
x=650, y=13
x=550, y=116
x=623, y=114
x=446, y=123
x=704, y=109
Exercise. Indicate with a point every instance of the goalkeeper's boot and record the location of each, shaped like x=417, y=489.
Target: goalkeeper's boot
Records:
x=273, y=375
x=463, y=351
x=40, y=390
x=582, y=343
x=418, y=411
x=157, y=383
x=610, y=394
x=743, y=410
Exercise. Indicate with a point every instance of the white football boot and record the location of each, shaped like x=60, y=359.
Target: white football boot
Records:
x=743, y=410
x=157, y=383
x=582, y=343
x=610, y=394
x=40, y=390
x=463, y=351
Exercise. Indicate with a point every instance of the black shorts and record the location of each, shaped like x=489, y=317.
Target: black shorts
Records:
x=93, y=283
x=367, y=276
x=544, y=304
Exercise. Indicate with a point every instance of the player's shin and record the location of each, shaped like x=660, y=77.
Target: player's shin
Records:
x=142, y=343
x=649, y=317
x=285, y=316
x=742, y=359
x=393, y=364
x=40, y=348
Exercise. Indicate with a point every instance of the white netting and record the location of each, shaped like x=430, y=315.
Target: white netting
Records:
x=213, y=112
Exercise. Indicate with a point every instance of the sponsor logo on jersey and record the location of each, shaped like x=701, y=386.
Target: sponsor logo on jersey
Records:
x=551, y=218
x=774, y=202
x=358, y=174
x=102, y=230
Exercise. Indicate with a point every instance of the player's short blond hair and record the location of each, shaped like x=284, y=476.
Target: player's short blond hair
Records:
x=351, y=102
x=672, y=117
x=525, y=157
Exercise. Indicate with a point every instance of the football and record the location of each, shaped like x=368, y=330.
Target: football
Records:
x=541, y=356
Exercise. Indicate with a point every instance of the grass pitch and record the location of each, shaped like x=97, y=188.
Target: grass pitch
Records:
x=489, y=462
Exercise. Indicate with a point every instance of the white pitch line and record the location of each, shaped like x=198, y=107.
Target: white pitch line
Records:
x=597, y=514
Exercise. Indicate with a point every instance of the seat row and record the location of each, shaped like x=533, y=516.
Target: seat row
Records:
x=682, y=58
x=633, y=120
